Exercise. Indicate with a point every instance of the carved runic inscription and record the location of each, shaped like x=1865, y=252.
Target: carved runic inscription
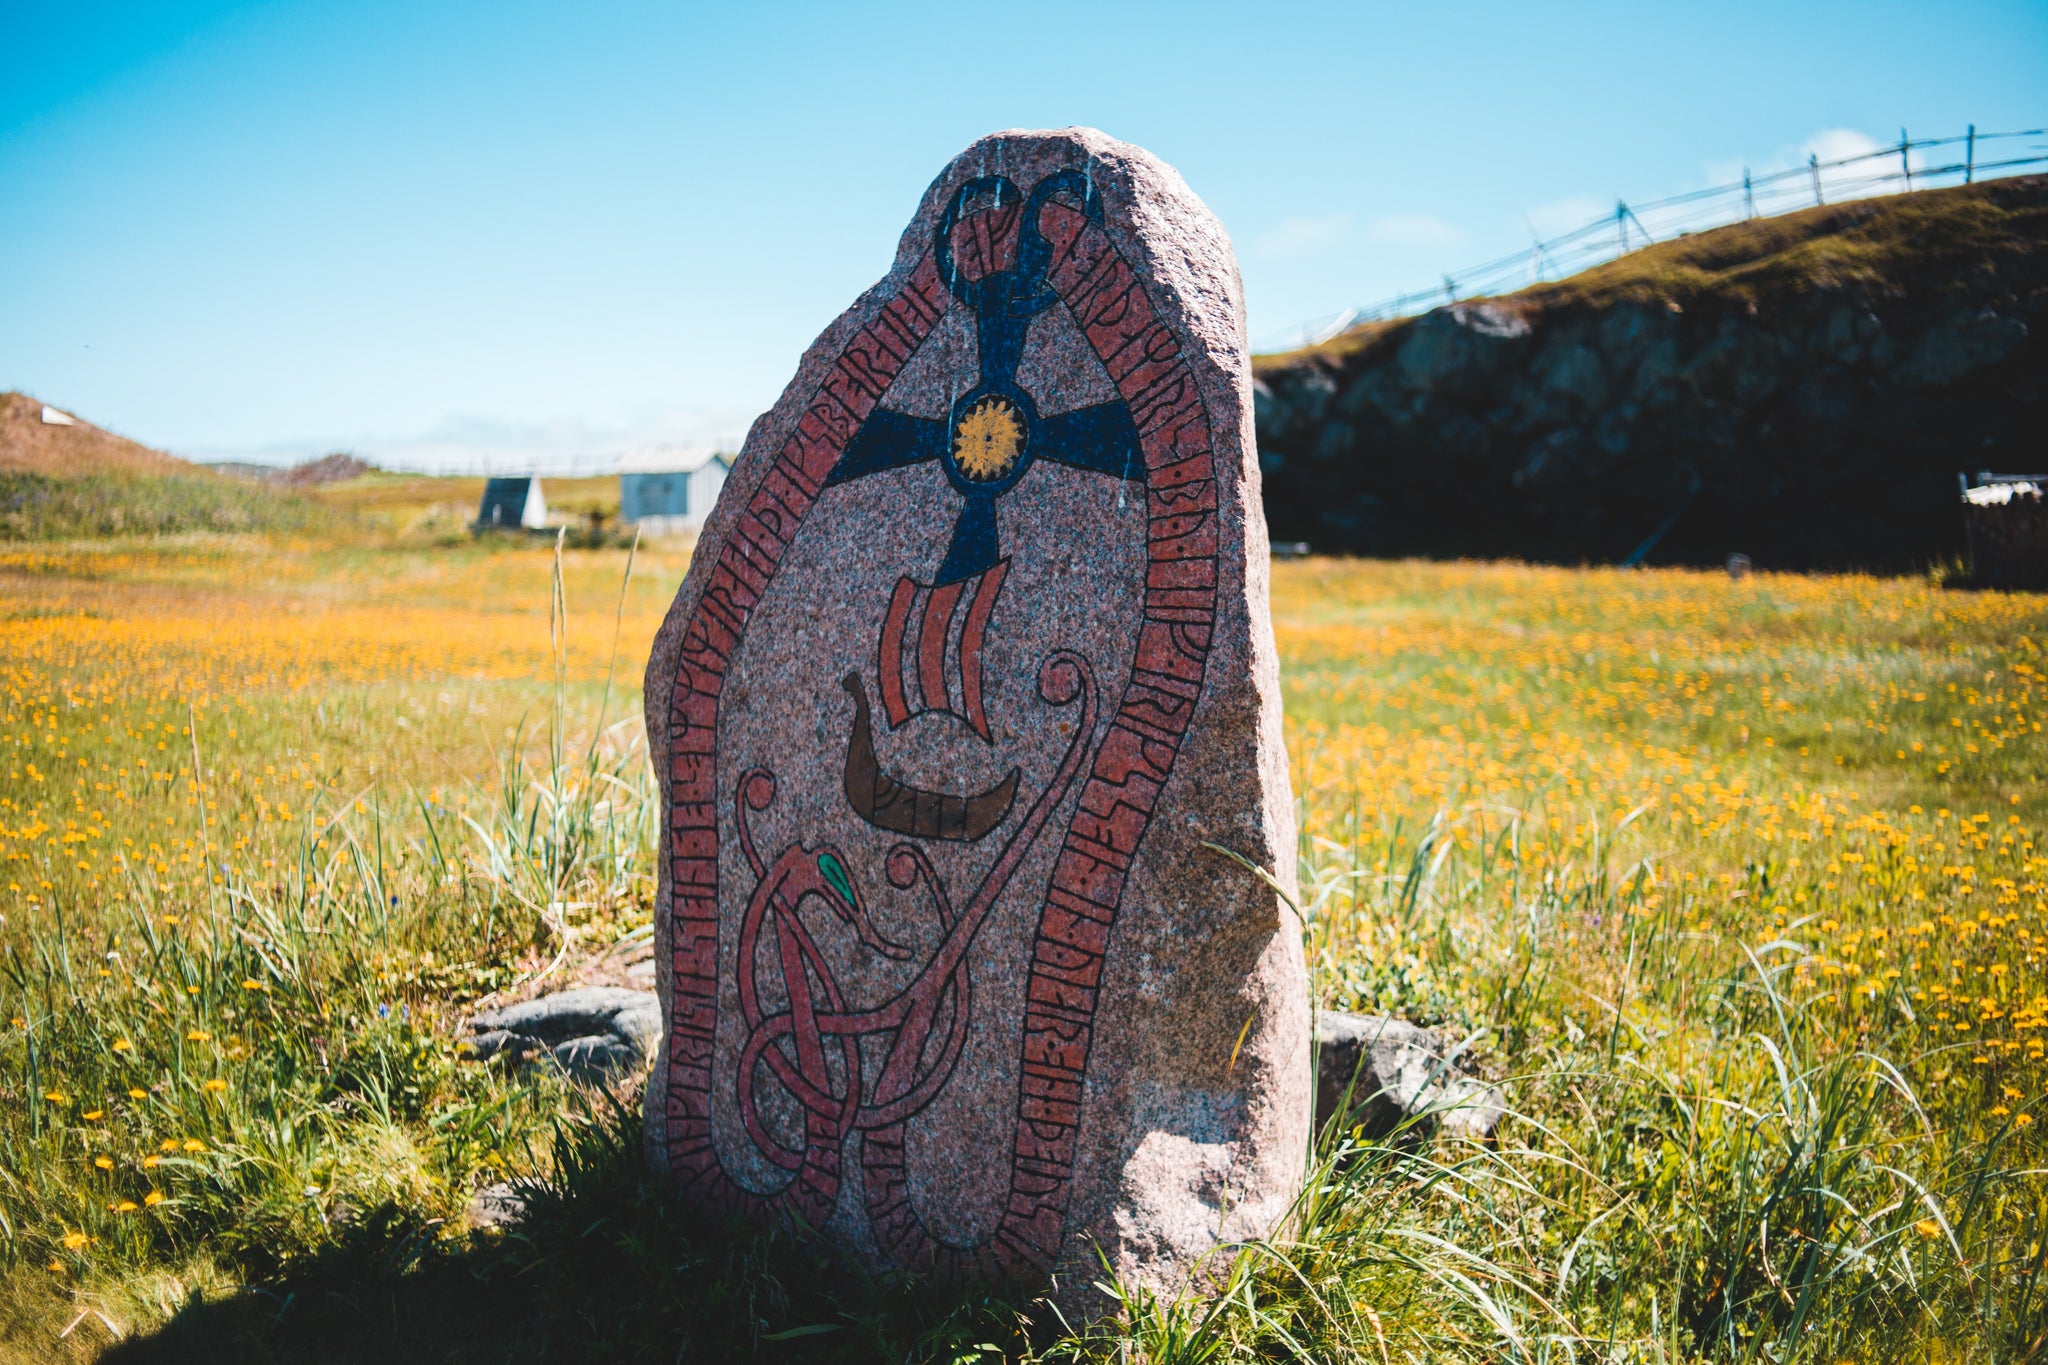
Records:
x=809, y=1029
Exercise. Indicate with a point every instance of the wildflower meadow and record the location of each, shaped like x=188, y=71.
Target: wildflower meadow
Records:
x=1734, y=888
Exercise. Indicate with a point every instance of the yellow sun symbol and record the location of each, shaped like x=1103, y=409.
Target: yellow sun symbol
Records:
x=986, y=443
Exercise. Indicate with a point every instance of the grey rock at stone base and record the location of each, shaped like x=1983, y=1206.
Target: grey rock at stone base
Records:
x=496, y=1206
x=591, y=1033
x=1396, y=1072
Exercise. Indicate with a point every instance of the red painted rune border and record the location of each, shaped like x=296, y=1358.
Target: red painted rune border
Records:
x=1145, y=361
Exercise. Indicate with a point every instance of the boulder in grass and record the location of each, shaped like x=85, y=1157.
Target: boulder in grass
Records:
x=1383, y=1073
x=496, y=1206
x=592, y=1033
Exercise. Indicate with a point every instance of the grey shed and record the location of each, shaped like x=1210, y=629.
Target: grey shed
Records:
x=665, y=491
x=512, y=503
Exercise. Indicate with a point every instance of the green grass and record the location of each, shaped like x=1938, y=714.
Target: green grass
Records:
x=1973, y=228
x=1970, y=230
x=407, y=509
x=423, y=509
x=38, y=507
x=1685, y=859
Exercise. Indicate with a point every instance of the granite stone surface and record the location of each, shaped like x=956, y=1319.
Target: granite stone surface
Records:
x=971, y=667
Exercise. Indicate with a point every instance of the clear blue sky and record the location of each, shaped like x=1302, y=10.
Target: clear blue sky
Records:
x=456, y=229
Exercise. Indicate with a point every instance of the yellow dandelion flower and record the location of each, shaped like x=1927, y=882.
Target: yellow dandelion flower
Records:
x=252, y=984
x=122, y=1045
x=136, y=1092
x=56, y=1097
x=216, y=1085
x=74, y=1240
x=151, y=1162
x=153, y=1198
x=198, y=1035
x=194, y=1145
x=2023, y=1121
x=93, y=1115
x=105, y=1163
x=125, y=1206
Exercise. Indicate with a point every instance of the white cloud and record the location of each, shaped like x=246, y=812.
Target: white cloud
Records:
x=1304, y=236
x=1830, y=144
x=1414, y=229
x=561, y=446
x=1866, y=176
x=1835, y=144
x=1782, y=182
x=1299, y=236
x=1563, y=215
x=1792, y=186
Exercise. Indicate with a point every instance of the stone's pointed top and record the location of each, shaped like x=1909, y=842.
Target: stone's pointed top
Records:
x=1147, y=192
x=972, y=662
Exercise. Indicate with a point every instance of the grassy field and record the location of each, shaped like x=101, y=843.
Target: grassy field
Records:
x=1734, y=885
x=75, y=481
x=64, y=482
x=418, y=508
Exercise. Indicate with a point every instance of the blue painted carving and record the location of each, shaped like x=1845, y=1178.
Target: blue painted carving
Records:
x=1099, y=440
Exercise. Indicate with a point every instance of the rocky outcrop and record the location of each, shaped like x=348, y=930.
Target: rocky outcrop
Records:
x=338, y=467
x=1803, y=389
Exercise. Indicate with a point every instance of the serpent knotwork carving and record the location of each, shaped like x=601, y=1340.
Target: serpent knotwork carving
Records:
x=810, y=1047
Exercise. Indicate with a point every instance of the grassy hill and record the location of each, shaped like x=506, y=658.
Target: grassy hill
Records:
x=1871, y=243
x=60, y=482
x=1801, y=388
x=28, y=445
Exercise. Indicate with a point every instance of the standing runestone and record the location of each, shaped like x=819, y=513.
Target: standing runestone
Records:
x=971, y=678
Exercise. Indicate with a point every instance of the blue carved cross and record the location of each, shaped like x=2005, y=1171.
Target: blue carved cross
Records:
x=994, y=434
